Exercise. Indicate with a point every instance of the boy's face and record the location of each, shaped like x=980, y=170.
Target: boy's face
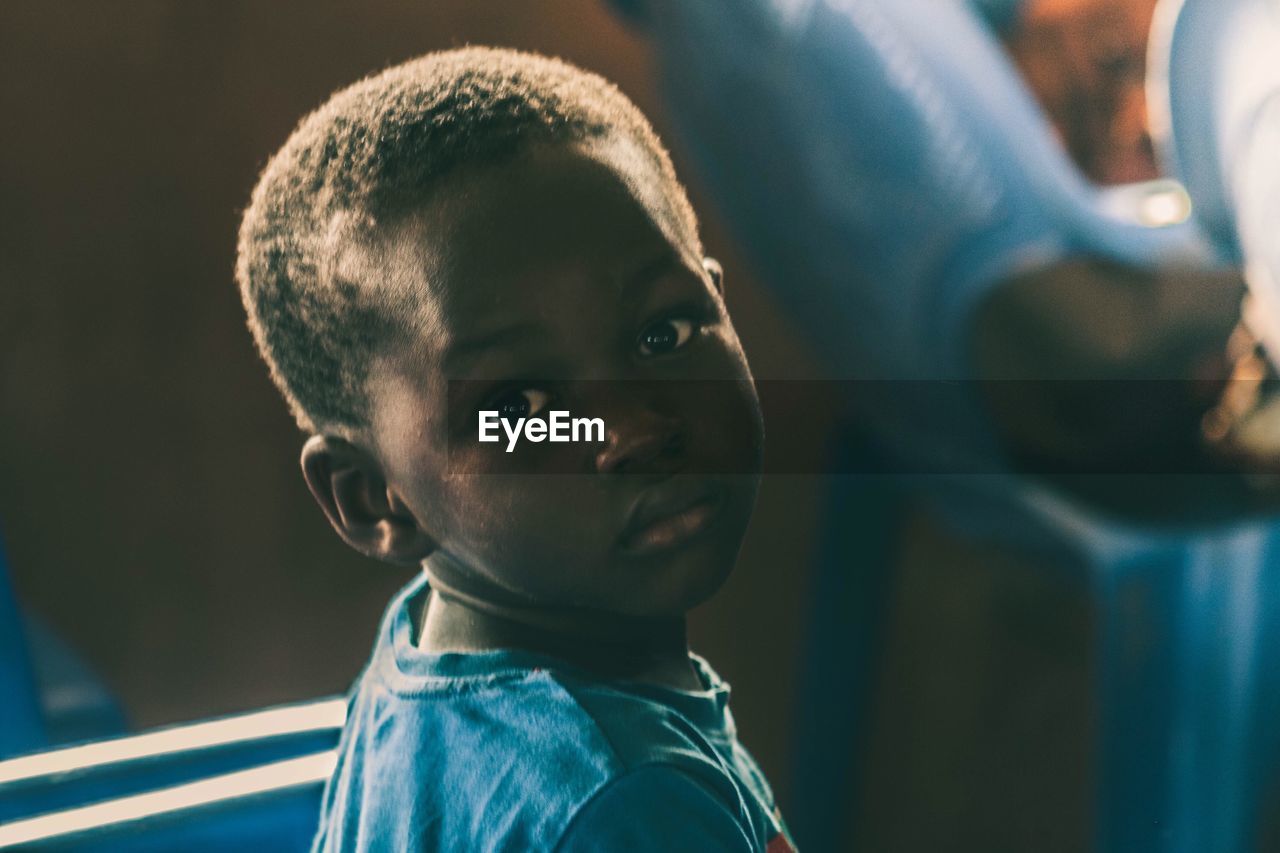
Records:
x=552, y=283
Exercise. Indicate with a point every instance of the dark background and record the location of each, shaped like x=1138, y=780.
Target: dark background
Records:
x=150, y=494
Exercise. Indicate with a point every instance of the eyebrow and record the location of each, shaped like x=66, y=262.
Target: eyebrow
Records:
x=634, y=283
x=463, y=353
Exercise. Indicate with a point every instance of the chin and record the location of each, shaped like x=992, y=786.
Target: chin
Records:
x=671, y=582
x=691, y=575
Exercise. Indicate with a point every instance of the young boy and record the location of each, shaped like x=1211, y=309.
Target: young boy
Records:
x=485, y=231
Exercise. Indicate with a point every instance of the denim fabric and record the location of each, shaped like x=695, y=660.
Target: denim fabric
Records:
x=509, y=751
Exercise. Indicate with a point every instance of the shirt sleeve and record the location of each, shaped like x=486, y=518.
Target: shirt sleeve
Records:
x=654, y=808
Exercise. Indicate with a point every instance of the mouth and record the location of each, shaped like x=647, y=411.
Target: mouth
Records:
x=671, y=513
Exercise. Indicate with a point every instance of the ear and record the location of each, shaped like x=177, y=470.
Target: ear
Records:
x=713, y=268
x=350, y=487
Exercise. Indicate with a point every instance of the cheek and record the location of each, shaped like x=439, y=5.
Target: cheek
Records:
x=733, y=420
x=540, y=534
x=727, y=414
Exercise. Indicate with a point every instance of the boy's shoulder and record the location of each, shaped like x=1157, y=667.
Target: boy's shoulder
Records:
x=504, y=750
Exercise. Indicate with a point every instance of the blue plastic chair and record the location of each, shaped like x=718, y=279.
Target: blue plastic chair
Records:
x=52, y=697
x=1215, y=98
x=251, y=781
x=885, y=167
x=21, y=720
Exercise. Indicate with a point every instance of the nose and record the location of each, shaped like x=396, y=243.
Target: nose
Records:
x=640, y=442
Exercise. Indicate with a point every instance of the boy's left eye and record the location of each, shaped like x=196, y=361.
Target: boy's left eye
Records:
x=519, y=403
x=665, y=335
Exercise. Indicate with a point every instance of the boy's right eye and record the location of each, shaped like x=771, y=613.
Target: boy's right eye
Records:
x=666, y=335
x=519, y=403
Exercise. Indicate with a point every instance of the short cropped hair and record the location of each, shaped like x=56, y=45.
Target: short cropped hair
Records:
x=373, y=151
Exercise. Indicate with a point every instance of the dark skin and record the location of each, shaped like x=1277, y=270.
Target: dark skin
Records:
x=1093, y=368
x=558, y=280
x=1086, y=62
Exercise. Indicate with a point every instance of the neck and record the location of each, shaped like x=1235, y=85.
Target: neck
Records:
x=608, y=645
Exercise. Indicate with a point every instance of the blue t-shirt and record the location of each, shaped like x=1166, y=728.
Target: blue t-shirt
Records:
x=510, y=751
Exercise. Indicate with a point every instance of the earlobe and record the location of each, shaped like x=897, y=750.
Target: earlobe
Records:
x=351, y=490
x=713, y=268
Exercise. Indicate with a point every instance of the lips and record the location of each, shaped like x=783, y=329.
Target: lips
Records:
x=666, y=515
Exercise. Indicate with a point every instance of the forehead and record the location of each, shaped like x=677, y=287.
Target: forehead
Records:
x=544, y=232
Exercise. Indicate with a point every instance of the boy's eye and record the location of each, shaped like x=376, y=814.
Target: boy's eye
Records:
x=665, y=335
x=521, y=403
